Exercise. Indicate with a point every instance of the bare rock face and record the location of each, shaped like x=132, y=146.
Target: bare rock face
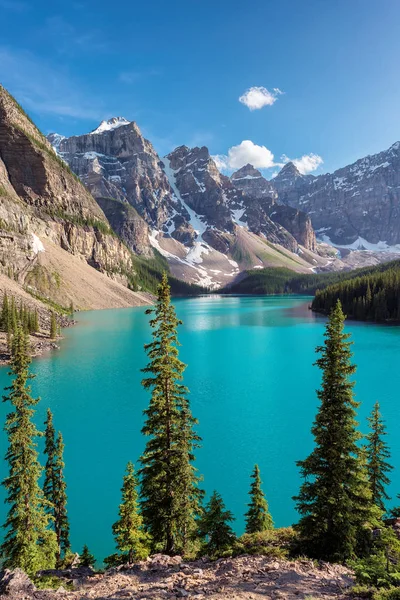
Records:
x=202, y=186
x=262, y=207
x=252, y=183
x=39, y=196
x=128, y=224
x=116, y=161
x=358, y=204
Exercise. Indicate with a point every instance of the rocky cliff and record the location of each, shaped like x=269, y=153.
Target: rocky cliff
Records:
x=357, y=205
x=41, y=199
x=262, y=205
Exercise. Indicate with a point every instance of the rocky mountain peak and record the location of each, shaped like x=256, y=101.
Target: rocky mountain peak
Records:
x=250, y=181
x=110, y=124
x=288, y=171
x=55, y=140
x=116, y=161
x=246, y=172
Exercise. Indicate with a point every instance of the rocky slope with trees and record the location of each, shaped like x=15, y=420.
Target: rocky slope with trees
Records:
x=43, y=205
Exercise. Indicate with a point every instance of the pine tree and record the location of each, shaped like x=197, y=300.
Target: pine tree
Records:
x=36, y=321
x=86, y=559
x=334, y=500
x=377, y=453
x=214, y=526
x=29, y=543
x=258, y=517
x=4, y=312
x=53, y=326
x=54, y=487
x=170, y=497
x=130, y=537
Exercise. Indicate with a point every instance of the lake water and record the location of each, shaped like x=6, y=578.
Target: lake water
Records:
x=252, y=382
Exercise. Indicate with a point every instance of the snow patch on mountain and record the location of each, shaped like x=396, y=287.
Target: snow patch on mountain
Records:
x=194, y=219
x=112, y=123
x=37, y=245
x=362, y=244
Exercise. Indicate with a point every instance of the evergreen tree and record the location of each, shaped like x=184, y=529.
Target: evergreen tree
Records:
x=214, y=526
x=29, y=543
x=377, y=453
x=130, y=537
x=4, y=312
x=86, y=559
x=334, y=500
x=36, y=321
x=54, y=487
x=258, y=517
x=170, y=497
x=53, y=326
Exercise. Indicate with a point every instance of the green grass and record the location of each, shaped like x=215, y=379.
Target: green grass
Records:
x=62, y=310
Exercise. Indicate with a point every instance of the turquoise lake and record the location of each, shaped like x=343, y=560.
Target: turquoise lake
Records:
x=252, y=382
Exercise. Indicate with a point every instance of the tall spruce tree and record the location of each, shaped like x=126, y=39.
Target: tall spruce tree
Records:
x=54, y=487
x=170, y=496
x=377, y=455
x=86, y=558
x=334, y=500
x=53, y=326
x=130, y=538
x=258, y=517
x=29, y=543
x=214, y=526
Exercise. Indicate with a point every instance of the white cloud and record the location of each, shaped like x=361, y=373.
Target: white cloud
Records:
x=306, y=164
x=262, y=158
x=245, y=152
x=258, y=97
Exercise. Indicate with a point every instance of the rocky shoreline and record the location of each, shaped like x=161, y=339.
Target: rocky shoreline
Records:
x=162, y=577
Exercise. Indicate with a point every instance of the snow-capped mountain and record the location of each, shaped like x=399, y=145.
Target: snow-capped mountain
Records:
x=207, y=225
x=357, y=206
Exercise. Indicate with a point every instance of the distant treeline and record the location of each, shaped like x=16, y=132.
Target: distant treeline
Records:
x=283, y=281
x=148, y=273
x=372, y=297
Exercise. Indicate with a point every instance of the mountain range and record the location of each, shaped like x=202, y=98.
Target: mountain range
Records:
x=210, y=227
x=106, y=207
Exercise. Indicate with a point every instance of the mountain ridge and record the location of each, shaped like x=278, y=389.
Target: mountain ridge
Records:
x=45, y=209
x=192, y=212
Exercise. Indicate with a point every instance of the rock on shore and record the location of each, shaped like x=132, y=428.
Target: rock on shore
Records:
x=163, y=577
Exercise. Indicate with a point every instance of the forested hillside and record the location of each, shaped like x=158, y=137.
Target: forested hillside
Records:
x=283, y=281
x=369, y=297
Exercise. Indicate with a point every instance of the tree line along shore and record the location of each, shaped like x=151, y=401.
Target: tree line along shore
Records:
x=342, y=500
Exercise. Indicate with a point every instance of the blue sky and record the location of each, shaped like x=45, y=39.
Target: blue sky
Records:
x=179, y=67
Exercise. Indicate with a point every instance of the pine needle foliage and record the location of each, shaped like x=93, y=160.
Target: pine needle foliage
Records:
x=55, y=487
x=86, y=558
x=170, y=496
x=53, y=326
x=214, y=526
x=11, y=315
x=377, y=455
x=130, y=537
x=29, y=543
x=334, y=500
x=258, y=517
